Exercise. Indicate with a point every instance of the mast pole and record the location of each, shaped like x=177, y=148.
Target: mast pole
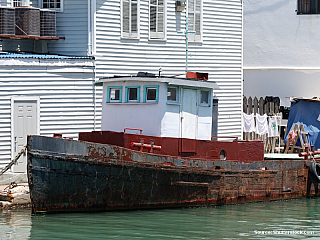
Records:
x=187, y=39
x=186, y=32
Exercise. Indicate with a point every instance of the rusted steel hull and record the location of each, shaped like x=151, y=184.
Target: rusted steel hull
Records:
x=66, y=175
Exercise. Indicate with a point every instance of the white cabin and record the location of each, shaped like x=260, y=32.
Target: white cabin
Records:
x=160, y=106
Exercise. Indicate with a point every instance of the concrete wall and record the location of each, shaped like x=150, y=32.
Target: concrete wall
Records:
x=281, y=50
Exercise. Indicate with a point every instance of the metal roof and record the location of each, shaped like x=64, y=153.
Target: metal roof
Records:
x=181, y=81
x=39, y=56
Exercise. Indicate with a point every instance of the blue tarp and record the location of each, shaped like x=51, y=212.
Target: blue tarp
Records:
x=308, y=114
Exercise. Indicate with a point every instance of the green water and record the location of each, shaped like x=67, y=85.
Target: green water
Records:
x=295, y=219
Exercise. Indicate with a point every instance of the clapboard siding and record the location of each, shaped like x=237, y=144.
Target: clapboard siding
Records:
x=5, y=129
x=72, y=24
x=67, y=99
x=219, y=54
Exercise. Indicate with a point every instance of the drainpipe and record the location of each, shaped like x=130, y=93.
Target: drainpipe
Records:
x=91, y=52
x=91, y=27
x=89, y=47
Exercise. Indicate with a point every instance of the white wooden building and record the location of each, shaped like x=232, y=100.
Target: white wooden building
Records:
x=120, y=37
x=281, y=49
x=43, y=95
x=160, y=106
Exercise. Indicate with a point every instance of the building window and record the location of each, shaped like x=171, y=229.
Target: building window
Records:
x=195, y=20
x=114, y=94
x=56, y=5
x=157, y=19
x=308, y=6
x=130, y=18
x=151, y=93
x=172, y=94
x=20, y=3
x=133, y=94
x=204, y=98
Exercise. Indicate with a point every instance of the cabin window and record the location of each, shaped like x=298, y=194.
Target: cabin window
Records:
x=157, y=19
x=204, y=97
x=130, y=18
x=172, y=94
x=56, y=5
x=195, y=20
x=133, y=94
x=308, y=6
x=114, y=94
x=151, y=93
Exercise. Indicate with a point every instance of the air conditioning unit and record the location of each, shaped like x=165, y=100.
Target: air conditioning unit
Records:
x=27, y=20
x=47, y=23
x=6, y=21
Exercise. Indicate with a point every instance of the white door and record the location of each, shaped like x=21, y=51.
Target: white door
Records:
x=189, y=119
x=25, y=122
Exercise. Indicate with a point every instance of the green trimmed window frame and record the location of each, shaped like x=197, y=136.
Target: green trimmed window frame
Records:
x=114, y=92
x=132, y=96
x=151, y=93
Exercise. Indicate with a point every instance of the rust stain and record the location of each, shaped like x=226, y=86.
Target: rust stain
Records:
x=124, y=179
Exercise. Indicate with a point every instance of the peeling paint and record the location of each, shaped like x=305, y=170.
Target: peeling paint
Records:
x=108, y=177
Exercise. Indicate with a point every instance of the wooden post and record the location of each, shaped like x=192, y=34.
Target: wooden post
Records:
x=250, y=111
x=245, y=104
x=245, y=109
x=261, y=104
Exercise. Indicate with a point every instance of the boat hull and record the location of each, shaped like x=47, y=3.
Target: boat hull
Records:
x=66, y=175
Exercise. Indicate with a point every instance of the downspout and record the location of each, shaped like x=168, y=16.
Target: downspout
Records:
x=91, y=51
x=91, y=27
x=89, y=47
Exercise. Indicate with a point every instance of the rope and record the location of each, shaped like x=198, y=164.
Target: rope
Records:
x=14, y=160
x=163, y=63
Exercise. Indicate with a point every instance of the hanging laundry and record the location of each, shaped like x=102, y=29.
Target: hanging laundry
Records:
x=261, y=124
x=248, y=123
x=273, y=127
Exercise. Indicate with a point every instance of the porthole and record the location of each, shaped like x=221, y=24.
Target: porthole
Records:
x=223, y=155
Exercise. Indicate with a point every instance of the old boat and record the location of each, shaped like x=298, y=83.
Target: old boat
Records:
x=119, y=171
x=177, y=163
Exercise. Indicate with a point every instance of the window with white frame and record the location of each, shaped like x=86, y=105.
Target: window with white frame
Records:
x=172, y=94
x=130, y=18
x=114, y=94
x=133, y=94
x=308, y=6
x=20, y=3
x=157, y=19
x=195, y=20
x=56, y=5
x=204, y=98
x=151, y=93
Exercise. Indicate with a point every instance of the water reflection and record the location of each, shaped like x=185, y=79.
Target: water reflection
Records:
x=248, y=221
x=15, y=224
